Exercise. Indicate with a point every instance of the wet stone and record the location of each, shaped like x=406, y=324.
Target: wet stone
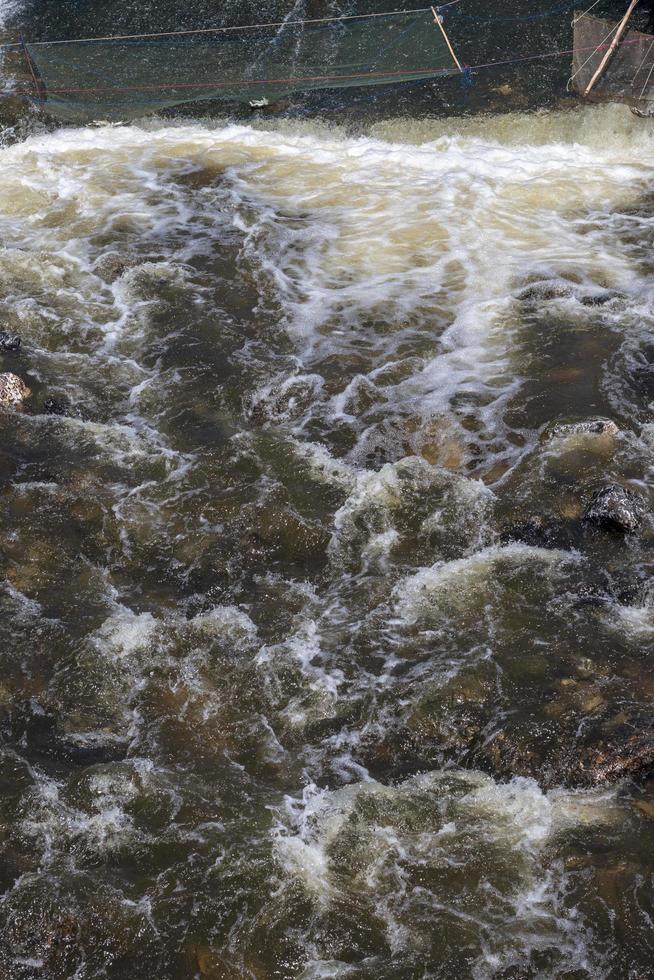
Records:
x=591, y=597
x=13, y=391
x=617, y=760
x=56, y=406
x=283, y=534
x=538, y=292
x=9, y=342
x=215, y=966
x=614, y=508
x=586, y=427
x=436, y=440
x=569, y=737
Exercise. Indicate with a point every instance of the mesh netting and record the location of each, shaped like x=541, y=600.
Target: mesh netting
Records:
x=629, y=74
x=123, y=78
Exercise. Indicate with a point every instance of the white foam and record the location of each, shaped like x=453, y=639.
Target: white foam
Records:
x=451, y=508
x=420, y=244
x=101, y=824
x=465, y=579
x=637, y=622
x=437, y=821
x=125, y=633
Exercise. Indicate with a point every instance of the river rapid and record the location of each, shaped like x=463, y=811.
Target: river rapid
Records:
x=311, y=667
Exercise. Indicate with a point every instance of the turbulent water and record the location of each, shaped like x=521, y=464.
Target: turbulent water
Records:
x=310, y=666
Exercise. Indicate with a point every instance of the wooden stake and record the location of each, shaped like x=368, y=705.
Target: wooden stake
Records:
x=439, y=21
x=37, y=88
x=616, y=40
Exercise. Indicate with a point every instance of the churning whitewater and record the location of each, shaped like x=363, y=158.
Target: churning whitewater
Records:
x=315, y=661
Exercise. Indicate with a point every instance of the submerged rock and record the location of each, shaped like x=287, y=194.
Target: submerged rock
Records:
x=13, y=391
x=632, y=758
x=437, y=440
x=532, y=532
x=37, y=728
x=645, y=807
x=92, y=748
x=615, y=508
x=537, y=532
x=9, y=342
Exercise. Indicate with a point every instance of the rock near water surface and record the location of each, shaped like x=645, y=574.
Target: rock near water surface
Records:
x=13, y=391
x=8, y=341
x=55, y=406
x=586, y=427
x=615, y=509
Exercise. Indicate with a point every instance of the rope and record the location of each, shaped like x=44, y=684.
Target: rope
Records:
x=567, y=5
x=650, y=71
x=586, y=12
x=246, y=27
x=590, y=57
x=176, y=86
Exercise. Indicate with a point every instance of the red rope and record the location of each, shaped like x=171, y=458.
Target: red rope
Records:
x=254, y=81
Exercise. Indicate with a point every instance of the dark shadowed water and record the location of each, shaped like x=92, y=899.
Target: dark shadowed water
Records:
x=310, y=665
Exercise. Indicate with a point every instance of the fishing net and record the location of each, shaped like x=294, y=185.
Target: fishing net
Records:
x=629, y=74
x=125, y=78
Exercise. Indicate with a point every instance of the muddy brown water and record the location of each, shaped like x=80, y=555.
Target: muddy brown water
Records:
x=310, y=666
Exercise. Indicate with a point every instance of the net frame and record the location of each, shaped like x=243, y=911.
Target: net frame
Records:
x=629, y=74
x=258, y=63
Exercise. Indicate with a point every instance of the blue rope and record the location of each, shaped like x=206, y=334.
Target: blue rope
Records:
x=467, y=81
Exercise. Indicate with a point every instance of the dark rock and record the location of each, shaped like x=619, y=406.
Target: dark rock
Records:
x=646, y=807
x=598, y=299
x=570, y=734
x=9, y=342
x=537, y=533
x=93, y=748
x=55, y=406
x=614, y=508
x=37, y=729
x=546, y=290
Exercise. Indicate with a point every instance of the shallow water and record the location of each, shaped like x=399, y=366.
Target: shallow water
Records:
x=280, y=696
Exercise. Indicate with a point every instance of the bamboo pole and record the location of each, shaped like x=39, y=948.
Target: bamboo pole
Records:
x=439, y=21
x=614, y=43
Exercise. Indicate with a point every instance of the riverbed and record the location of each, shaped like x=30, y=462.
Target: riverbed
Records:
x=313, y=664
